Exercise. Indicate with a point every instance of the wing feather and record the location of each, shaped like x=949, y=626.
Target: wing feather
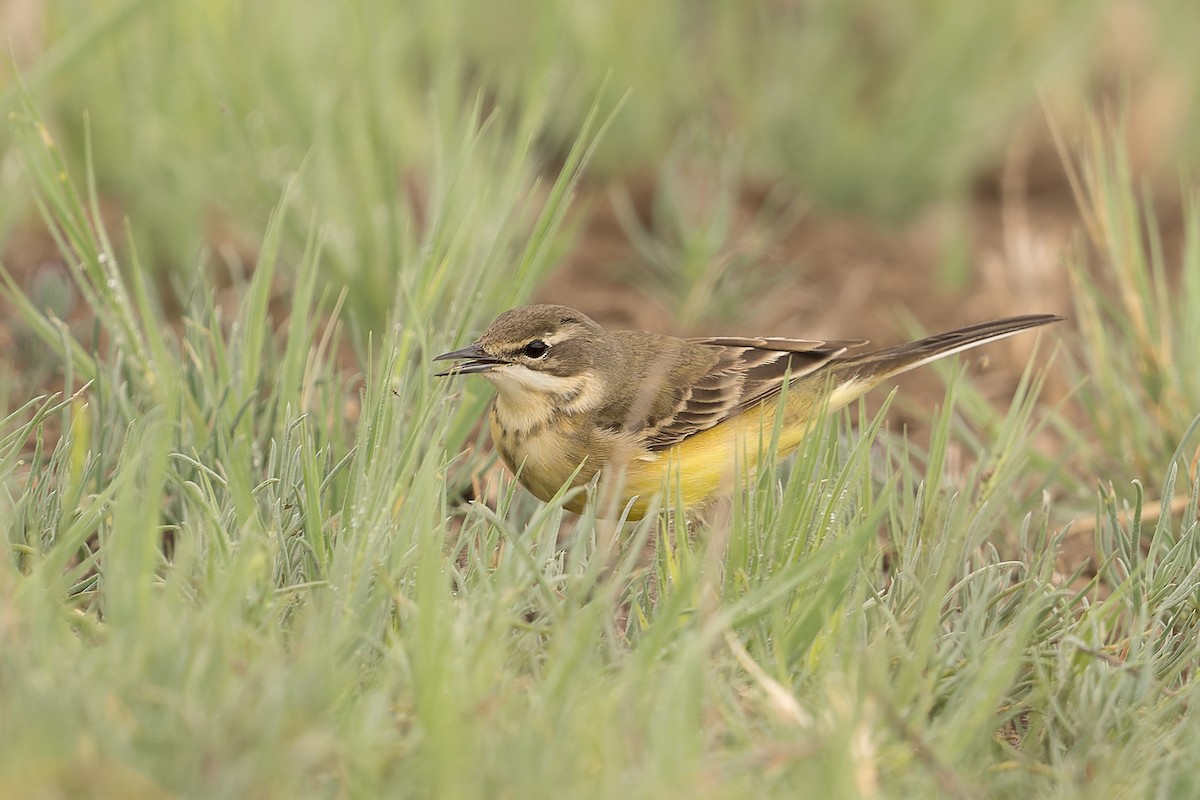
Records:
x=746, y=371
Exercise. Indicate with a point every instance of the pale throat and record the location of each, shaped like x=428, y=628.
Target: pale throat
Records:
x=527, y=400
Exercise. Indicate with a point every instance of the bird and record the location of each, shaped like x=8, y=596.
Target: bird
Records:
x=577, y=403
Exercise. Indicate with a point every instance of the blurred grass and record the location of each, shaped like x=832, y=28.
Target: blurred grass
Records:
x=237, y=562
x=200, y=113
x=1135, y=297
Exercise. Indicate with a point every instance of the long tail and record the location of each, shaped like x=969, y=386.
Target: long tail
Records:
x=858, y=374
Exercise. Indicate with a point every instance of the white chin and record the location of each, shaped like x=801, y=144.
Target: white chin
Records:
x=517, y=378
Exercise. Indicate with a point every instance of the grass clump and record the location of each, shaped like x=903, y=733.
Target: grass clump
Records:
x=1134, y=295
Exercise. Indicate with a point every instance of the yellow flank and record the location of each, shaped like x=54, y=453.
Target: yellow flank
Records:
x=703, y=466
x=713, y=462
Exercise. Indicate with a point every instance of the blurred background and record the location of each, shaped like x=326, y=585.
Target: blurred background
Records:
x=792, y=167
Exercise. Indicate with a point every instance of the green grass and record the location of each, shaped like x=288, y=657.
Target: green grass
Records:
x=302, y=608
x=874, y=112
x=1134, y=304
x=236, y=558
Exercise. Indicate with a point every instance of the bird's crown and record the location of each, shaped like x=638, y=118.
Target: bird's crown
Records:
x=517, y=328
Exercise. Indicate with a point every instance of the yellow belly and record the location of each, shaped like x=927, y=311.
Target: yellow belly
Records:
x=703, y=466
x=716, y=461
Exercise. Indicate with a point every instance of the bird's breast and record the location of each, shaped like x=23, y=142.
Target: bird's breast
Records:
x=543, y=456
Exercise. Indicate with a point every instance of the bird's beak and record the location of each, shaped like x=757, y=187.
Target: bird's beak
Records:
x=476, y=361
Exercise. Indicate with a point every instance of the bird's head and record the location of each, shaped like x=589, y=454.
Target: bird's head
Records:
x=545, y=349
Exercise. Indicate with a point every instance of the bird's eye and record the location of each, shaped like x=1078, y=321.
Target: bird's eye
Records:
x=536, y=349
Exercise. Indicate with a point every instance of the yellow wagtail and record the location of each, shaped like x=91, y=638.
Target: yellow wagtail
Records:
x=575, y=399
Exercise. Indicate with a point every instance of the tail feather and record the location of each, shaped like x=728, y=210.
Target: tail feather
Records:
x=871, y=368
